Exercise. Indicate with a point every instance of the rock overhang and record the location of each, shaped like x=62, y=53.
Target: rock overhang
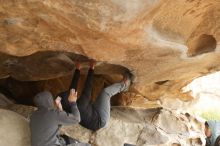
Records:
x=115, y=32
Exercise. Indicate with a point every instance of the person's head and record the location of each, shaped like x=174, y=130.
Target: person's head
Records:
x=44, y=99
x=208, y=131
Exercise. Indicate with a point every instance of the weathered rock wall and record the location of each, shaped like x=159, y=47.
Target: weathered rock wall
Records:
x=142, y=127
x=166, y=43
x=14, y=129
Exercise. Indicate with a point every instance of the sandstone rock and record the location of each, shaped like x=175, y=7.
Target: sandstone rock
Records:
x=142, y=127
x=14, y=129
x=188, y=23
x=161, y=41
x=202, y=44
x=125, y=126
x=165, y=43
x=23, y=110
x=4, y=101
x=150, y=136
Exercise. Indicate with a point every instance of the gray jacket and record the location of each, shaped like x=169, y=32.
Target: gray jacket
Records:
x=215, y=128
x=46, y=121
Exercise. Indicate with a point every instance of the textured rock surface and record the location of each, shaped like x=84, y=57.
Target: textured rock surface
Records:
x=166, y=43
x=14, y=129
x=160, y=40
x=142, y=127
x=4, y=101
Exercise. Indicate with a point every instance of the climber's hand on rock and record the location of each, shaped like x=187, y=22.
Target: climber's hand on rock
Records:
x=72, y=96
x=92, y=64
x=78, y=65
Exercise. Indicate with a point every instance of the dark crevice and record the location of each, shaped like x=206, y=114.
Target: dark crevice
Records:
x=161, y=82
x=53, y=71
x=203, y=44
x=49, y=65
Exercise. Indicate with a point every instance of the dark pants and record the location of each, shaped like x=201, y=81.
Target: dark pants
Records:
x=93, y=115
x=86, y=109
x=68, y=141
x=84, y=104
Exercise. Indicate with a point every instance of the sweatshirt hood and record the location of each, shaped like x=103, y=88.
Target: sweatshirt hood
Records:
x=44, y=99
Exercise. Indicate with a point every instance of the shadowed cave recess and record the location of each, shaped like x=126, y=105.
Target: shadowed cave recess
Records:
x=54, y=73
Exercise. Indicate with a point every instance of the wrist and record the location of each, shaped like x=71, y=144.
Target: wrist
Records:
x=72, y=100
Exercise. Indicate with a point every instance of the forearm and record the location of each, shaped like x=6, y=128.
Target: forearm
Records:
x=73, y=117
x=75, y=111
x=75, y=79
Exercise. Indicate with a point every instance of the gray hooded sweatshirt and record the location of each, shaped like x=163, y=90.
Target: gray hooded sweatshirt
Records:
x=46, y=121
x=215, y=128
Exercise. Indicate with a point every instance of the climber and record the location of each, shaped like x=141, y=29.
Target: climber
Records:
x=94, y=115
x=212, y=132
x=46, y=121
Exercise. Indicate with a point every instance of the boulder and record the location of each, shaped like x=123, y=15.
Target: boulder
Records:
x=5, y=101
x=14, y=129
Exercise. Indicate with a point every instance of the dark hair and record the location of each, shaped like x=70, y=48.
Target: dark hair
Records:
x=217, y=141
x=206, y=124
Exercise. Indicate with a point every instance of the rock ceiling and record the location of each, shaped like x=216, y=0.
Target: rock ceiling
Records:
x=166, y=43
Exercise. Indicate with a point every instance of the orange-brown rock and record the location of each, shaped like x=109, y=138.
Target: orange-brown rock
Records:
x=166, y=43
